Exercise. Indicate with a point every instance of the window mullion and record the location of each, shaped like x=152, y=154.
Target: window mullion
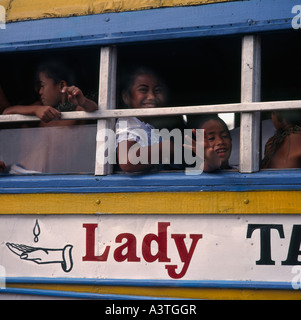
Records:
x=106, y=101
x=250, y=92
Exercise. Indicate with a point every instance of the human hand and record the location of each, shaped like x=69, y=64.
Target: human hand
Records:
x=36, y=255
x=207, y=156
x=43, y=255
x=47, y=113
x=197, y=137
x=195, y=154
x=74, y=95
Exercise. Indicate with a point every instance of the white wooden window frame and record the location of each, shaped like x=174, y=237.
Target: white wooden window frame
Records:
x=107, y=101
x=250, y=106
x=250, y=92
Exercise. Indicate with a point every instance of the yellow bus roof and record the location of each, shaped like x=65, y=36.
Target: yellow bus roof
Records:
x=18, y=10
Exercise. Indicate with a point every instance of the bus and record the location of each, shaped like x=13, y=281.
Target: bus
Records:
x=74, y=226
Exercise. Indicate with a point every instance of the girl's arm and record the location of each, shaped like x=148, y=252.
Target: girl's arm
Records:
x=45, y=113
x=134, y=158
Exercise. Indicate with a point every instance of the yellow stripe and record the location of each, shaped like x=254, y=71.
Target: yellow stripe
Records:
x=257, y=202
x=5, y=3
x=39, y=9
x=184, y=293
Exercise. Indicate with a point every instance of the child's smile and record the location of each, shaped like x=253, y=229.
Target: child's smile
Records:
x=219, y=139
x=146, y=92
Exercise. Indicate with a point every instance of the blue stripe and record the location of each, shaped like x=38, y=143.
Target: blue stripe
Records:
x=169, y=23
x=156, y=182
x=250, y=285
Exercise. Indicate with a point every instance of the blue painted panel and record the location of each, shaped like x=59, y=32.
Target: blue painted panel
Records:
x=146, y=25
x=222, y=284
x=151, y=283
x=156, y=182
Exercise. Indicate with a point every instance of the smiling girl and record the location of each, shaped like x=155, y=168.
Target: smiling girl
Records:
x=135, y=136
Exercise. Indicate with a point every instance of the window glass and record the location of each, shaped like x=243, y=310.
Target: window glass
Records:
x=55, y=150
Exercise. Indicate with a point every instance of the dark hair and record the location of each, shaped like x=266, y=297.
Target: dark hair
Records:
x=196, y=122
x=57, y=71
x=292, y=117
x=128, y=77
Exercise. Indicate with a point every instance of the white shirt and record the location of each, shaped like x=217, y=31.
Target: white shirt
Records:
x=132, y=129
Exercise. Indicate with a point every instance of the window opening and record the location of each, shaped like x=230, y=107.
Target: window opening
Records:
x=60, y=147
x=197, y=72
x=280, y=82
x=222, y=94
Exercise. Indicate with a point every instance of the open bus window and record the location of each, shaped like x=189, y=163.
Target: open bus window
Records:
x=281, y=66
x=281, y=69
x=203, y=71
x=195, y=72
x=65, y=147
x=18, y=71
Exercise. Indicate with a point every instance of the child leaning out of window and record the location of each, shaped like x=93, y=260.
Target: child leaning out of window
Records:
x=56, y=95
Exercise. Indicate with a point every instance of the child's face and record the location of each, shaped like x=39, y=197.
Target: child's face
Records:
x=146, y=92
x=219, y=139
x=49, y=91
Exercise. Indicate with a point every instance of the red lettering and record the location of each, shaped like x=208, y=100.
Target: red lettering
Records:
x=161, y=240
x=184, y=254
x=131, y=245
x=90, y=245
x=127, y=251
